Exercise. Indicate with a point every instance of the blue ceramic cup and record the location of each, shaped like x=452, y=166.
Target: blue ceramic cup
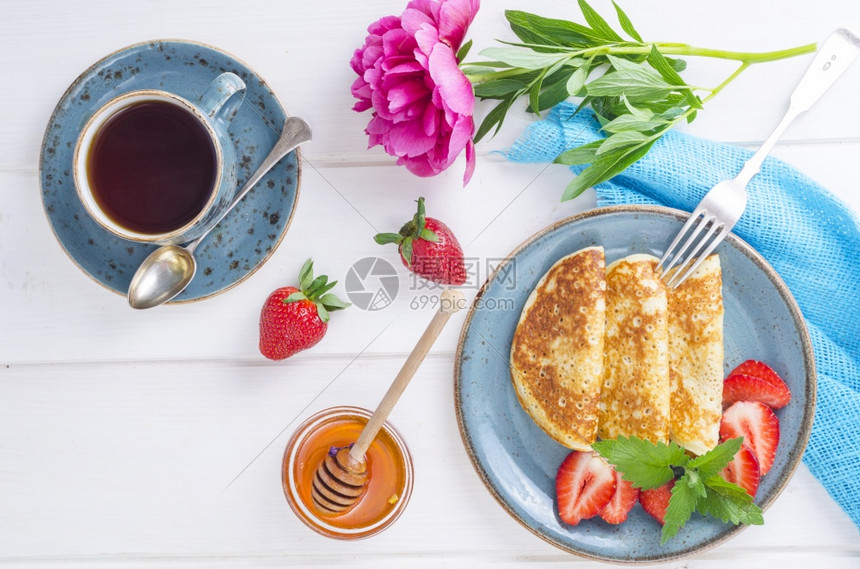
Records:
x=212, y=113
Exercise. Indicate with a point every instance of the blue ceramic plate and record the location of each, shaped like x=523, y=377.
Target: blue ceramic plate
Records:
x=517, y=461
x=245, y=239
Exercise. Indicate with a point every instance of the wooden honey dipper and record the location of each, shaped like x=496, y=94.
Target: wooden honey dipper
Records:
x=341, y=478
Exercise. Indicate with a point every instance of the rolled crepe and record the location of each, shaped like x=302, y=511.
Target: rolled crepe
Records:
x=634, y=400
x=696, y=358
x=557, y=350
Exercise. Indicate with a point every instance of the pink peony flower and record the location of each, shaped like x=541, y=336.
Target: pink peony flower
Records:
x=407, y=73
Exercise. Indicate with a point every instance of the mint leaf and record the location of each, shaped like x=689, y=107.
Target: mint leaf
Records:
x=713, y=461
x=729, y=503
x=681, y=506
x=644, y=464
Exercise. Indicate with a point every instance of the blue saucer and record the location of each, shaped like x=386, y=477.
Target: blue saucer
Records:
x=249, y=234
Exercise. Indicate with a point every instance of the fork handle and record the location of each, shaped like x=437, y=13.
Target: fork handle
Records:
x=831, y=61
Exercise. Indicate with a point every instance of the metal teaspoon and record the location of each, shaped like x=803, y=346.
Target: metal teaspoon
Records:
x=169, y=269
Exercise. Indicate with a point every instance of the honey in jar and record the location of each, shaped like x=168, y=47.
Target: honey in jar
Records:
x=389, y=466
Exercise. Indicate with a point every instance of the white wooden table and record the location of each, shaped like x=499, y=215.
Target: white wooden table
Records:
x=154, y=438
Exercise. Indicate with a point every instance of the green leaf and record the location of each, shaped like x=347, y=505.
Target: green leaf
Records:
x=324, y=289
x=664, y=68
x=638, y=84
x=580, y=155
x=298, y=295
x=644, y=464
x=622, y=63
x=322, y=312
x=464, y=51
x=577, y=80
x=597, y=23
x=470, y=70
x=429, y=235
x=604, y=168
x=386, y=238
x=332, y=302
x=526, y=59
x=621, y=140
x=317, y=284
x=681, y=505
x=626, y=24
x=494, y=118
x=534, y=94
x=306, y=274
x=554, y=87
x=406, y=251
x=659, y=62
x=677, y=64
x=628, y=123
x=550, y=31
x=728, y=503
x=500, y=88
x=713, y=461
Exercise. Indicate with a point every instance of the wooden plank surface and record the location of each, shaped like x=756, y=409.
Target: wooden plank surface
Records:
x=154, y=439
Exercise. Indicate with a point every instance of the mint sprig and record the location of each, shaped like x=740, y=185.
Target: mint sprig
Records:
x=698, y=484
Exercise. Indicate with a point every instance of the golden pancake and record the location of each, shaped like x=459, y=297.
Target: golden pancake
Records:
x=634, y=400
x=557, y=350
x=696, y=358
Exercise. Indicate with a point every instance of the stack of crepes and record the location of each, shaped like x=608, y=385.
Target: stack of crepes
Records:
x=608, y=351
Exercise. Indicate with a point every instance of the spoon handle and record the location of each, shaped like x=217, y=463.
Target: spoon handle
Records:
x=450, y=301
x=296, y=132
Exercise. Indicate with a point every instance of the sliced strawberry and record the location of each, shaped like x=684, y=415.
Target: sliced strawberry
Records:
x=584, y=485
x=762, y=371
x=743, y=470
x=656, y=500
x=759, y=427
x=622, y=501
x=739, y=387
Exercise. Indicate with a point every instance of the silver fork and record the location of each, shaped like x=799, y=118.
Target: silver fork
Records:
x=722, y=206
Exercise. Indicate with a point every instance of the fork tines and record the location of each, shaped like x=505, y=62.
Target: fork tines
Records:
x=695, y=248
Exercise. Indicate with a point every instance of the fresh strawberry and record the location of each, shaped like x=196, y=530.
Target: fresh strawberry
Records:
x=739, y=387
x=585, y=483
x=743, y=470
x=765, y=373
x=656, y=500
x=428, y=248
x=294, y=319
x=756, y=423
x=621, y=503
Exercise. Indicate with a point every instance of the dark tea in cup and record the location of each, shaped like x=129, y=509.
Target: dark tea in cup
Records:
x=152, y=167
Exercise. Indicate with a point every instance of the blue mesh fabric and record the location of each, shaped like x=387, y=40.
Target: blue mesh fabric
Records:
x=809, y=236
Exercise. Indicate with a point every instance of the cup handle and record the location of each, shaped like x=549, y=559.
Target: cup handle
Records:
x=219, y=101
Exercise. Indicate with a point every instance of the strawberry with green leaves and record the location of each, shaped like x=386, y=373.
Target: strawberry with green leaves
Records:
x=428, y=248
x=295, y=319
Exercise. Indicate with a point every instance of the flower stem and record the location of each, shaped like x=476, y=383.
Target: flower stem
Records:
x=684, y=49
x=746, y=58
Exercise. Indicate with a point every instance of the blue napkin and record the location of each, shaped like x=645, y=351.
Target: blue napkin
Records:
x=809, y=236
